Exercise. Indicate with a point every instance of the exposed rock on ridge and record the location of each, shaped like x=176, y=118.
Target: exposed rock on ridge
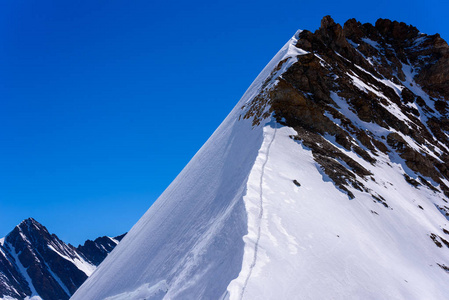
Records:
x=388, y=75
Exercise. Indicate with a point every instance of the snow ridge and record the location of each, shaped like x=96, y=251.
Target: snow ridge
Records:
x=206, y=203
x=260, y=216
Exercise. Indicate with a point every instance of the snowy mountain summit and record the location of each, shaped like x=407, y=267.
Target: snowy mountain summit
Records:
x=37, y=265
x=328, y=180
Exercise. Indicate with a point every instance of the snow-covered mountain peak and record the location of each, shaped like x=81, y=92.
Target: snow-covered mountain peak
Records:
x=332, y=171
x=37, y=264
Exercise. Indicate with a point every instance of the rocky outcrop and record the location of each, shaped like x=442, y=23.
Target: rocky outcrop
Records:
x=357, y=77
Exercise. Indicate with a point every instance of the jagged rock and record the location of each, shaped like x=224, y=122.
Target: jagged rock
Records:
x=341, y=56
x=302, y=97
x=97, y=250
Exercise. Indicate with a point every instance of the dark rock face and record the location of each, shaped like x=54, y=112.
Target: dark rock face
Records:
x=35, y=262
x=386, y=76
x=12, y=283
x=97, y=250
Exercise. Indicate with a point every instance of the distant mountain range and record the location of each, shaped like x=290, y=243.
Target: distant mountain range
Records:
x=35, y=264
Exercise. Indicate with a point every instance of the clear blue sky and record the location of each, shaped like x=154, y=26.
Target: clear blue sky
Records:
x=102, y=103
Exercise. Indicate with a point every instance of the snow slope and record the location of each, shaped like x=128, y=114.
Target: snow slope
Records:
x=317, y=244
x=190, y=241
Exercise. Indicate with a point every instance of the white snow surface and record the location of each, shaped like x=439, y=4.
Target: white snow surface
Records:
x=143, y=292
x=233, y=225
x=315, y=243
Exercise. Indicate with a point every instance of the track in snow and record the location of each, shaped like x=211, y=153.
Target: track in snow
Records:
x=259, y=219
